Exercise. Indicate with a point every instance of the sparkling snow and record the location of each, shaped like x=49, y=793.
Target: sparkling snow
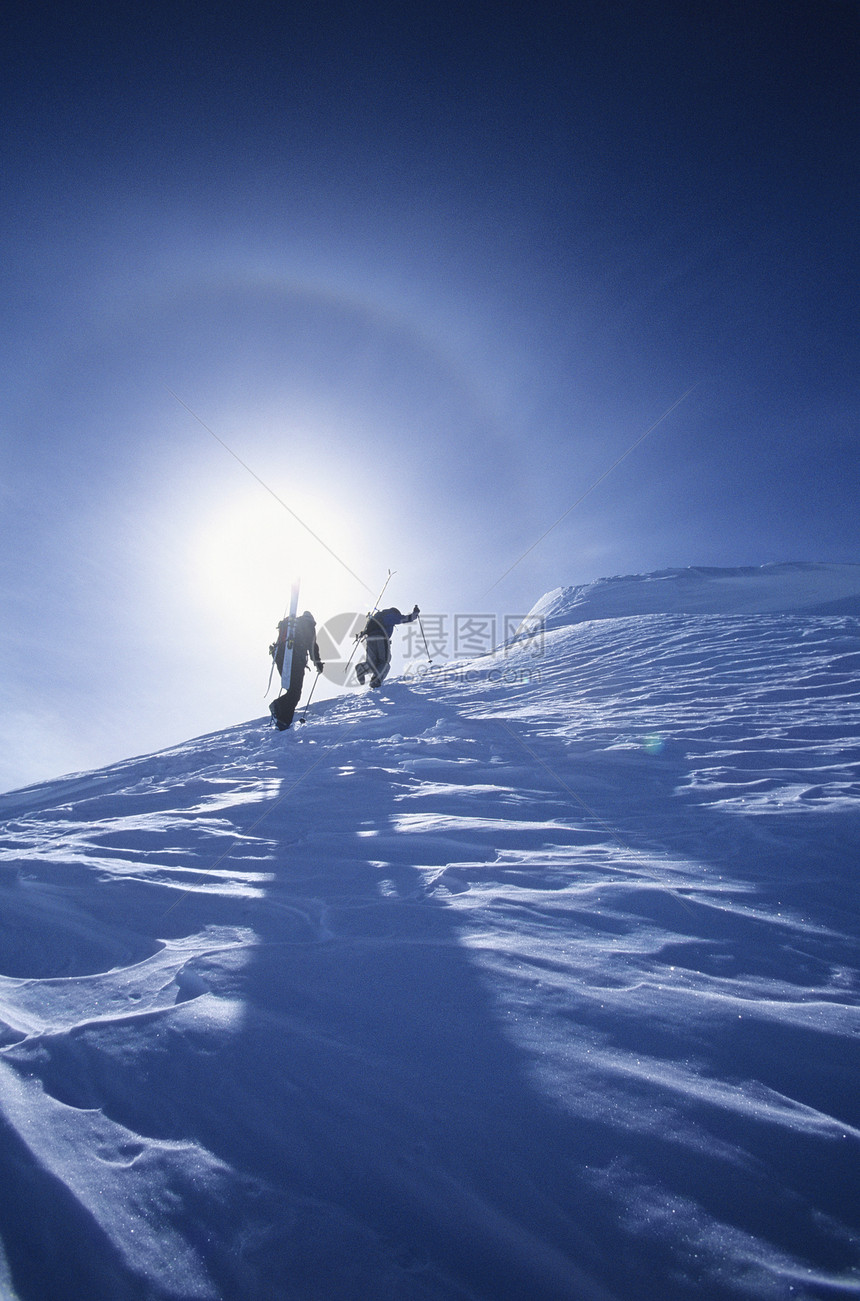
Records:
x=538, y=977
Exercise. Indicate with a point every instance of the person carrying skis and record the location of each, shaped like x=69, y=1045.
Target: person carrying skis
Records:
x=377, y=634
x=304, y=645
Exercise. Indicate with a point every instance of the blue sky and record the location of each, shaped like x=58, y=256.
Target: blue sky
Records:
x=428, y=272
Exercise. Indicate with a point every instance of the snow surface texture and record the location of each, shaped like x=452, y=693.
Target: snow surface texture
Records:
x=538, y=979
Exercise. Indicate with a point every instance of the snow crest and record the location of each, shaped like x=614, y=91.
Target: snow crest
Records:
x=769, y=589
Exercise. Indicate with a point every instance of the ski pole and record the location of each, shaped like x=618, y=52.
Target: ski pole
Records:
x=351, y=653
x=271, y=675
x=304, y=717
x=424, y=635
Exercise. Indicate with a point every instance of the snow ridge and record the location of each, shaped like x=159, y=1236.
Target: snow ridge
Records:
x=768, y=589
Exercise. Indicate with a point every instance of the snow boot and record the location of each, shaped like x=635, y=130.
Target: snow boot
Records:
x=282, y=727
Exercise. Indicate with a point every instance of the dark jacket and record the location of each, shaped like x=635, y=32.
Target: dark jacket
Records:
x=304, y=642
x=383, y=622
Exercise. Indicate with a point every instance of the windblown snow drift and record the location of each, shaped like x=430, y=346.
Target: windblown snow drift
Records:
x=529, y=984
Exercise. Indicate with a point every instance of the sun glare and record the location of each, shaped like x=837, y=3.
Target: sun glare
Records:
x=246, y=554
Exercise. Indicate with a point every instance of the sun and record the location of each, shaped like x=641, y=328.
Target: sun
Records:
x=246, y=551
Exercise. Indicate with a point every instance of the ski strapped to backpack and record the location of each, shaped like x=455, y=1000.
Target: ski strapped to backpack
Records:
x=291, y=633
x=290, y=620
x=359, y=636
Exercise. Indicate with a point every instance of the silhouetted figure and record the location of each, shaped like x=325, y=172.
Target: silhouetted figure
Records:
x=304, y=645
x=377, y=634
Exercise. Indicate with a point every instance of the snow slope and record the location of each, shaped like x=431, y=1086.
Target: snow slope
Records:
x=536, y=978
